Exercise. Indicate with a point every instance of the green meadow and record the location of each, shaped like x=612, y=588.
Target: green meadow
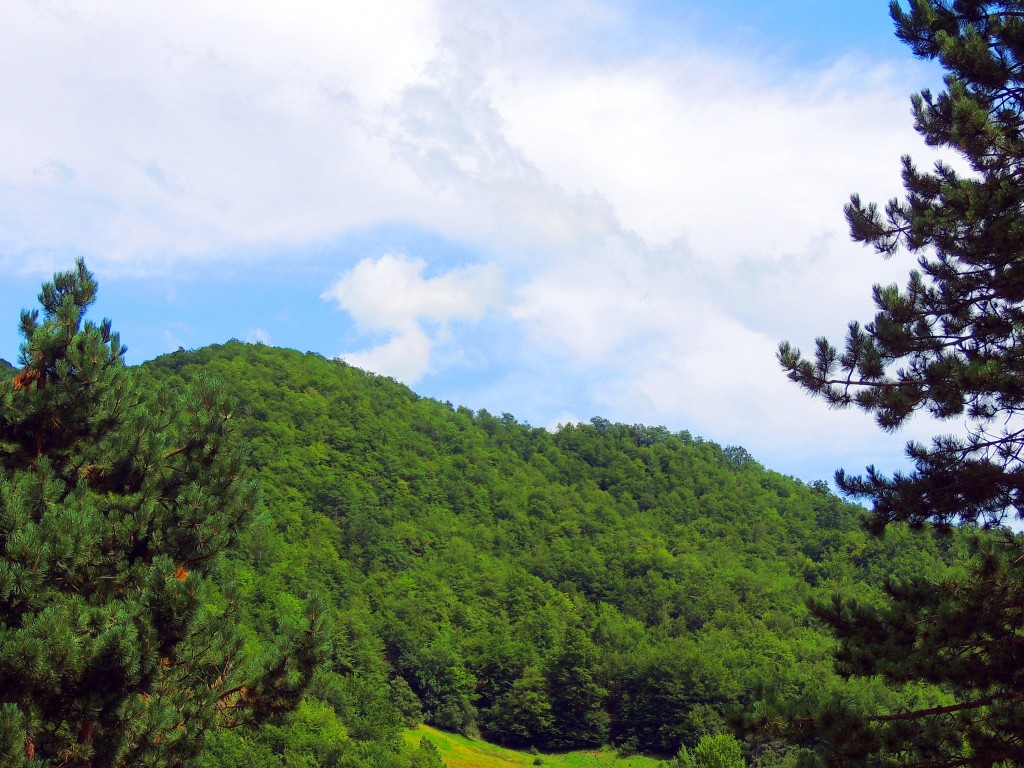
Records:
x=461, y=752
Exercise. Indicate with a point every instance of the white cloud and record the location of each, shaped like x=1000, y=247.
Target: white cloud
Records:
x=198, y=129
x=390, y=294
x=660, y=220
x=257, y=336
x=406, y=357
x=193, y=128
x=719, y=153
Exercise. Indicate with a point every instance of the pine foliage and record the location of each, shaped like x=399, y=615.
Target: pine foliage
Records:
x=950, y=344
x=116, y=501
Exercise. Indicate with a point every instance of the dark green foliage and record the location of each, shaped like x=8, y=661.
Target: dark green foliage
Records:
x=605, y=581
x=577, y=701
x=954, y=330
x=949, y=344
x=116, y=501
x=442, y=683
x=405, y=702
x=521, y=716
x=673, y=695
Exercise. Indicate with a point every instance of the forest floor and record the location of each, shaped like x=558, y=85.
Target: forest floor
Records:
x=460, y=752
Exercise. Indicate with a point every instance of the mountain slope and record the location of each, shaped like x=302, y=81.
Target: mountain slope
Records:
x=605, y=582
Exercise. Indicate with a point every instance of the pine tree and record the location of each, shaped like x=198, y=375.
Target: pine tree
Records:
x=116, y=501
x=950, y=344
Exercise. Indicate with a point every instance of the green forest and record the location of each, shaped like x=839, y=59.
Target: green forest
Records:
x=242, y=555
x=605, y=583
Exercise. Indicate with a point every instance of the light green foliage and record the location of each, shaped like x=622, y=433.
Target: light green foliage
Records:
x=719, y=751
x=684, y=759
x=313, y=737
x=426, y=755
x=232, y=749
x=603, y=583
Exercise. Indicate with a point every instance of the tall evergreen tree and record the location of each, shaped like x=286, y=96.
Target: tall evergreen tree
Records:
x=950, y=344
x=116, y=500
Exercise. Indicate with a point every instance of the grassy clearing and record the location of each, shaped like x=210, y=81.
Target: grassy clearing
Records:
x=460, y=752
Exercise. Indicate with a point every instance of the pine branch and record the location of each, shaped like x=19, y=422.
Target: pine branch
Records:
x=920, y=713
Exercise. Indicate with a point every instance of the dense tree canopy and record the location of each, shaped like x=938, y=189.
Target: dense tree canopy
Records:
x=605, y=582
x=553, y=590
x=116, y=501
x=950, y=344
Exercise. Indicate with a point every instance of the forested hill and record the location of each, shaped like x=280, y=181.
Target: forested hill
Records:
x=602, y=583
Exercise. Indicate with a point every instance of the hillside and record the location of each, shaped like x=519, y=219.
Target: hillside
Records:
x=604, y=583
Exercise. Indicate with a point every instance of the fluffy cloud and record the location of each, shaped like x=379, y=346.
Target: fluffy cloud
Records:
x=144, y=135
x=405, y=357
x=203, y=129
x=659, y=219
x=391, y=295
x=731, y=160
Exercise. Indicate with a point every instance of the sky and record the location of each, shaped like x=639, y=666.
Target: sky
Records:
x=559, y=209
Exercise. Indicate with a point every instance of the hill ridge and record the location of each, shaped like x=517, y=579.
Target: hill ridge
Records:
x=602, y=582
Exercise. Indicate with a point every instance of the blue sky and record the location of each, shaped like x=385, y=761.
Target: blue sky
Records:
x=557, y=209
